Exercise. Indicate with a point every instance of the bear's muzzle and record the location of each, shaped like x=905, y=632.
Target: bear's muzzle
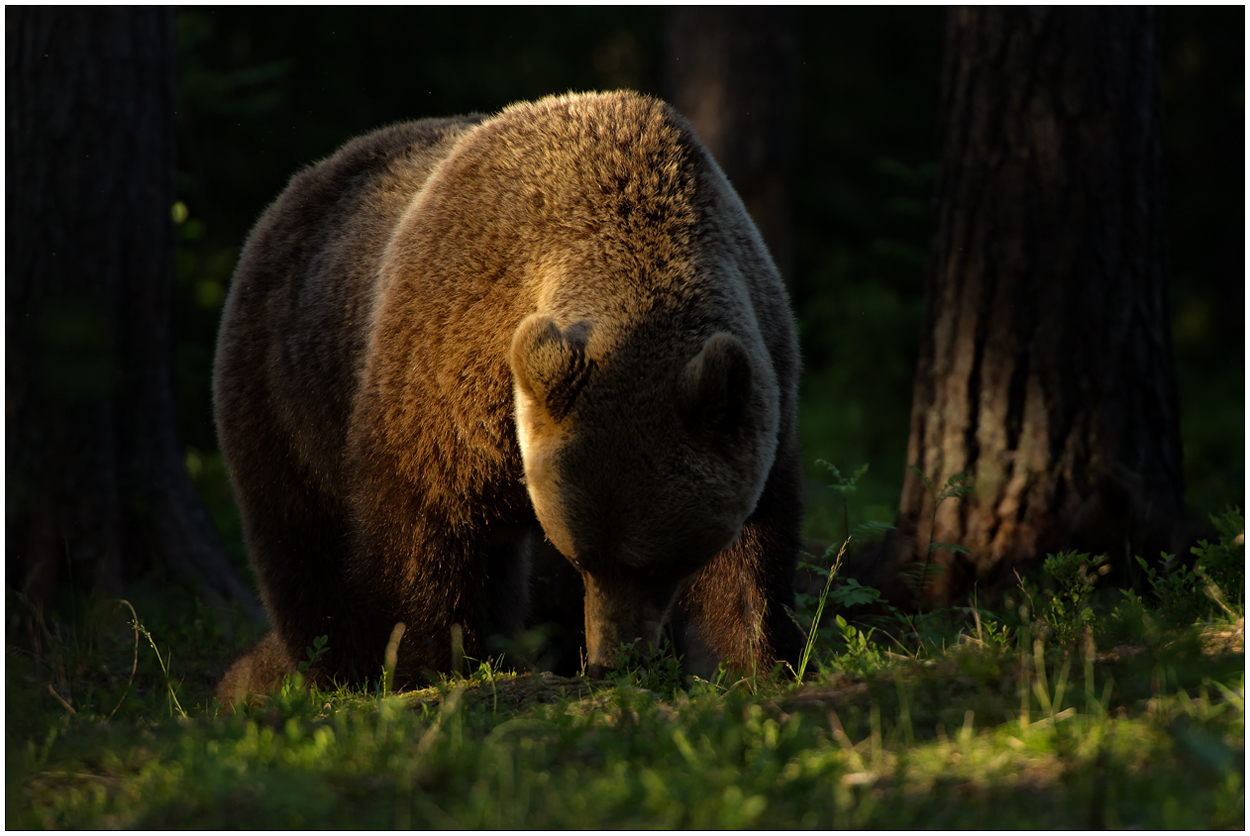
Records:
x=619, y=612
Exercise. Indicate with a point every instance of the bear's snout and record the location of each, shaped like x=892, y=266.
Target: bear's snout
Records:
x=622, y=612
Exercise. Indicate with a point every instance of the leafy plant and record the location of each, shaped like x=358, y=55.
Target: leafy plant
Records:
x=655, y=669
x=854, y=594
x=849, y=593
x=844, y=485
x=1222, y=565
x=318, y=649
x=1130, y=619
x=1064, y=611
x=990, y=629
x=1216, y=579
x=954, y=488
x=871, y=530
x=861, y=653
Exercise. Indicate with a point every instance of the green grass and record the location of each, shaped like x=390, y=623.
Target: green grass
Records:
x=1107, y=711
x=948, y=744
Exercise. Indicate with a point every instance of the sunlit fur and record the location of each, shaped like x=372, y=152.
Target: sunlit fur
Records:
x=374, y=359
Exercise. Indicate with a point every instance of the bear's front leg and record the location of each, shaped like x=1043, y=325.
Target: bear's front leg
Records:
x=454, y=594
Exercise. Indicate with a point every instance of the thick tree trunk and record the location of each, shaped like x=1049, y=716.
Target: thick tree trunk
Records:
x=1045, y=372
x=97, y=485
x=734, y=73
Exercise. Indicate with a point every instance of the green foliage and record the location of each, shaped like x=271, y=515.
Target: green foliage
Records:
x=1129, y=620
x=1213, y=584
x=1178, y=588
x=976, y=736
x=844, y=485
x=852, y=594
x=1064, y=612
x=990, y=631
x=652, y=669
x=823, y=598
x=1223, y=565
x=861, y=232
x=849, y=593
x=860, y=653
x=996, y=729
x=496, y=749
x=954, y=488
x=319, y=647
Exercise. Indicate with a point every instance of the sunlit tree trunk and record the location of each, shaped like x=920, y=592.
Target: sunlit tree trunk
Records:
x=97, y=490
x=1045, y=372
x=733, y=71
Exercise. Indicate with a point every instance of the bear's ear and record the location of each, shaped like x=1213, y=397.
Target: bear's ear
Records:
x=715, y=386
x=551, y=365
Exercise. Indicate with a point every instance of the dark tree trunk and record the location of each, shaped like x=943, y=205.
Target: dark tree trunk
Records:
x=1045, y=371
x=97, y=486
x=734, y=73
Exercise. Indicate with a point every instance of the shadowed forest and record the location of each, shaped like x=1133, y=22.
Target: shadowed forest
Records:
x=1091, y=684
x=840, y=176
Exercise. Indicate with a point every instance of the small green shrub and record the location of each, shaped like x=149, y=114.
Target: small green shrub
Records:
x=318, y=649
x=844, y=485
x=1065, y=611
x=922, y=572
x=656, y=669
x=1129, y=620
x=1213, y=584
x=1223, y=564
x=860, y=653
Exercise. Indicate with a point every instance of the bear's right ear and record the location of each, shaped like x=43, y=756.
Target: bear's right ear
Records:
x=550, y=365
x=715, y=386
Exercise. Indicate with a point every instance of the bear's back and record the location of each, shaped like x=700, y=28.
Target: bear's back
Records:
x=296, y=321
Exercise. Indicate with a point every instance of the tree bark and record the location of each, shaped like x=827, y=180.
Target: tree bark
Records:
x=1045, y=373
x=734, y=73
x=97, y=484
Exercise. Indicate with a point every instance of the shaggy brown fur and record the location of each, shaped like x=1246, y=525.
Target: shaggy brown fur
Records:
x=457, y=343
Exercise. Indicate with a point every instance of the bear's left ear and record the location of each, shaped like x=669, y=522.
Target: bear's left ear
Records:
x=715, y=386
x=550, y=365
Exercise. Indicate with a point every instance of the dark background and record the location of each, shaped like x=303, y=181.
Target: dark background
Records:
x=263, y=92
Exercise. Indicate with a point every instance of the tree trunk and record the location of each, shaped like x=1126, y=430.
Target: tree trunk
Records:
x=734, y=73
x=97, y=486
x=1045, y=372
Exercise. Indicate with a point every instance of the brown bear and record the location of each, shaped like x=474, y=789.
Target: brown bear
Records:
x=458, y=345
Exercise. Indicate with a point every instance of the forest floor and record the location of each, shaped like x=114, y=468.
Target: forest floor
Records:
x=1100, y=715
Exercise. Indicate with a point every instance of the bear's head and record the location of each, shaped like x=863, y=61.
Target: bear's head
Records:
x=644, y=455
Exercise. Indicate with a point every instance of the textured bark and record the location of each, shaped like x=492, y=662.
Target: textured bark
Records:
x=734, y=73
x=98, y=490
x=1045, y=372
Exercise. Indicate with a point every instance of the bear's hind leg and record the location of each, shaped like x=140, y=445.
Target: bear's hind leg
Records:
x=258, y=671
